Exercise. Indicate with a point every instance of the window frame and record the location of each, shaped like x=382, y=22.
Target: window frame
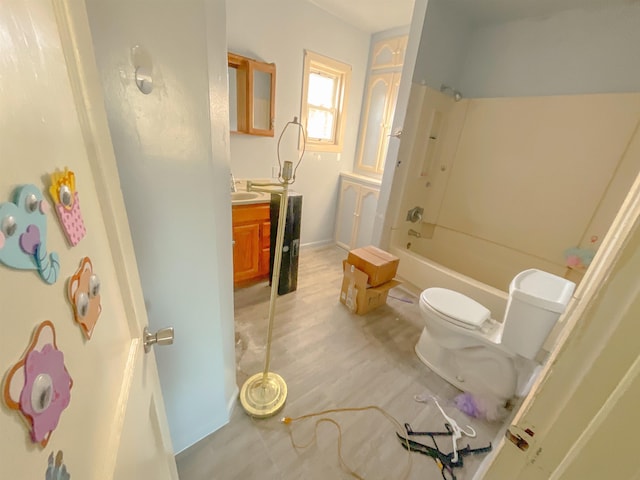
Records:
x=323, y=65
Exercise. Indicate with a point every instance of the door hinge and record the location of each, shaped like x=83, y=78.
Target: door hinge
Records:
x=517, y=440
x=520, y=437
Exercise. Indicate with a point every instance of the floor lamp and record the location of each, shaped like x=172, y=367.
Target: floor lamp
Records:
x=264, y=394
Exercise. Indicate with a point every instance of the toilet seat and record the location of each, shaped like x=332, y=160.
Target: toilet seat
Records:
x=456, y=307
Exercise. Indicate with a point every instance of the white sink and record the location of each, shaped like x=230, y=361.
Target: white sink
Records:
x=244, y=195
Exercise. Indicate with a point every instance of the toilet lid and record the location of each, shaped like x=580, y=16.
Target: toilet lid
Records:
x=459, y=308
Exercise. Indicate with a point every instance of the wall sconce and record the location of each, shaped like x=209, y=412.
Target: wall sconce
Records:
x=144, y=80
x=143, y=63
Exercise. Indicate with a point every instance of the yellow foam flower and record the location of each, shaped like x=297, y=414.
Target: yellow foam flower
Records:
x=60, y=179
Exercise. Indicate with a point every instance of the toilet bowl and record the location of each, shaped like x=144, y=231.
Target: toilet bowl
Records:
x=466, y=347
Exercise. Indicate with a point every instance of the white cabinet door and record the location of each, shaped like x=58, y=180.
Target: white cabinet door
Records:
x=356, y=214
x=380, y=105
x=375, y=127
x=389, y=53
x=366, y=216
x=114, y=425
x=347, y=211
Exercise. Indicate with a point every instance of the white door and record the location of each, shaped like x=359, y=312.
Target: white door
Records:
x=579, y=420
x=114, y=425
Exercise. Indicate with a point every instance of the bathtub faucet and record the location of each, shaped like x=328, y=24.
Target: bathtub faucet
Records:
x=415, y=214
x=414, y=233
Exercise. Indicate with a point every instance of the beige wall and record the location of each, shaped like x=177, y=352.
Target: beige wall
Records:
x=514, y=182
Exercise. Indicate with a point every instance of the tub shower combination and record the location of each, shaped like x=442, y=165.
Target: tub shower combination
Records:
x=483, y=339
x=478, y=338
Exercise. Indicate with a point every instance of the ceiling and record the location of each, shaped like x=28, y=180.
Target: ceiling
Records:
x=483, y=11
x=369, y=15
x=376, y=15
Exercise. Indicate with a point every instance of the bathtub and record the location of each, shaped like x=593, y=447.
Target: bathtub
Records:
x=423, y=273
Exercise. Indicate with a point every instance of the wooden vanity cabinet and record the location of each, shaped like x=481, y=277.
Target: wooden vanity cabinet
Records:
x=251, y=237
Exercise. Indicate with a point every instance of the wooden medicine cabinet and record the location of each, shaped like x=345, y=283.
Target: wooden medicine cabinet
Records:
x=252, y=95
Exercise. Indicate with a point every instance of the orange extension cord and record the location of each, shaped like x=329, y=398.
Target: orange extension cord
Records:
x=288, y=421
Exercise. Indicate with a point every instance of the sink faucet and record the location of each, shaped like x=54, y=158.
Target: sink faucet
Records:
x=233, y=184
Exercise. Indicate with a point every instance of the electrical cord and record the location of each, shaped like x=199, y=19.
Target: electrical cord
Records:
x=399, y=428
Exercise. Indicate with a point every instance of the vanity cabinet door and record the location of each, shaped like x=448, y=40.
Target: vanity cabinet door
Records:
x=265, y=250
x=251, y=230
x=246, y=252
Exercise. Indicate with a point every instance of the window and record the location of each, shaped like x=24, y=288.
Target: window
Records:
x=324, y=100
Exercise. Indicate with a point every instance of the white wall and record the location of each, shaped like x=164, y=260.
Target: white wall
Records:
x=443, y=46
x=173, y=162
x=578, y=51
x=573, y=52
x=278, y=31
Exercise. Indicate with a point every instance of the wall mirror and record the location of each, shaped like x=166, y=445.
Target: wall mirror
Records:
x=251, y=95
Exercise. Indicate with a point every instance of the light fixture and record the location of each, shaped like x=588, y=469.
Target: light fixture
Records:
x=264, y=394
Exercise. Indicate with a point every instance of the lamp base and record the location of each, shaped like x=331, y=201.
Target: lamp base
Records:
x=263, y=397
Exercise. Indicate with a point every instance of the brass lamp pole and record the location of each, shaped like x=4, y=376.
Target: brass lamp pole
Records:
x=265, y=393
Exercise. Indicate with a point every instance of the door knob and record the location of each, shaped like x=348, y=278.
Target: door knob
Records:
x=164, y=336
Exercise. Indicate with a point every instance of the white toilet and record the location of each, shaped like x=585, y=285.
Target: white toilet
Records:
x=466, y=347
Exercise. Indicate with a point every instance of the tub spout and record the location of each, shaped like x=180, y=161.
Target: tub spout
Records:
x=414, y=233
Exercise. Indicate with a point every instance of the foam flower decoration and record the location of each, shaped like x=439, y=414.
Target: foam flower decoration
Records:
x=23, y=234
x=67, y=204
x=56, y=469
x=578, y=257
x=38, y=387
x=84, y=295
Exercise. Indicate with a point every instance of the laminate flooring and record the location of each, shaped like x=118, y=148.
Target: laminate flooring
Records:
x=330, y=359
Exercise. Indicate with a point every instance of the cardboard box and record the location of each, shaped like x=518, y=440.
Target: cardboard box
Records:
x=357, y=296
x=379, y=265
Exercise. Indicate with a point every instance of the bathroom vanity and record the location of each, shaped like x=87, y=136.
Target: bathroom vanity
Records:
x=254, y=217
x=251, y=226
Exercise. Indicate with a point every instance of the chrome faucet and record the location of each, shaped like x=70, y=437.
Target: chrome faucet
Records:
x=414, y=233
x=233, y=184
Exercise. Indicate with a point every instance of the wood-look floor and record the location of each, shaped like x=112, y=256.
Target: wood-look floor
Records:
x=331, y=359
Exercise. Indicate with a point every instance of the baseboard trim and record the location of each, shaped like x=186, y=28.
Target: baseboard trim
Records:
x=320, y=243
x=231, y=406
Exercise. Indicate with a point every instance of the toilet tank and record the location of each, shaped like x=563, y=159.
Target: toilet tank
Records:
x=536, y=301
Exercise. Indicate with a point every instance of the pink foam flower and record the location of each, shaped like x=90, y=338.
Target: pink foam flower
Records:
x=573, y=261
x=45, y=404
x=38, y=386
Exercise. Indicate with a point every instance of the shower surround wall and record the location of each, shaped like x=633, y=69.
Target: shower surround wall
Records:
x=538, y=160
x=510, y=183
